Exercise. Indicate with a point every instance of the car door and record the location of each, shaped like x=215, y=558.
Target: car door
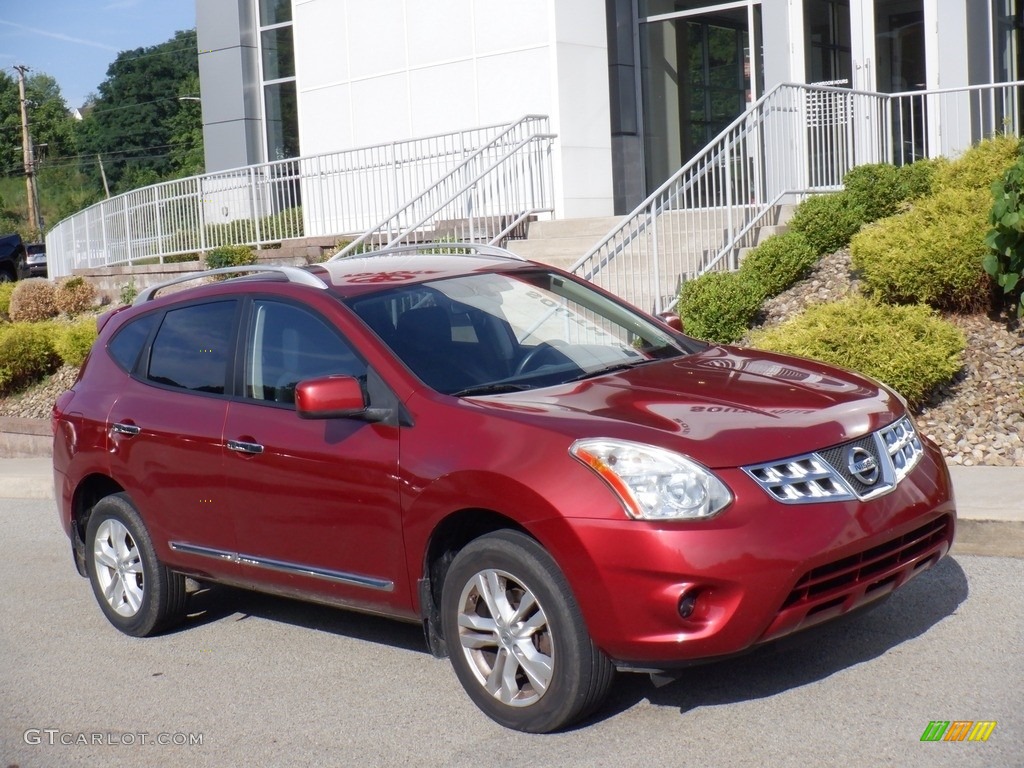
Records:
x=166, y=436
x=315, y=502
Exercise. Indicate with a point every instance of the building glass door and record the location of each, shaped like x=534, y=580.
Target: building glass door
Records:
x=696, y=76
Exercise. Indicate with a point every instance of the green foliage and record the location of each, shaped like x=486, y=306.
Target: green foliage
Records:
x=26, y=355
x=1004, y=261
x=6, y=289
x=916, y=178
x=136, y=122
x=128, y=292
x=284, y=226
x=931, y=254
x=827, y=221
x=909, y=348
x=719, y=306
x=72, y=341
x=74, y=295
x=32, y=300
x=876, y=189
x=51, y=121
x=779, y=262
x=230, y=256
x=978, y=167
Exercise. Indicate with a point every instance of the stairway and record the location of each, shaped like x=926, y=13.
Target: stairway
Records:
x=561, y=242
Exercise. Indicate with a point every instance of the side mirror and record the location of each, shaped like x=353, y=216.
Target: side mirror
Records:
x=672, y=320
x=329, y=397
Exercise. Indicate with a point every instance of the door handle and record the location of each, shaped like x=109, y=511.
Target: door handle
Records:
x=121, y=428
x=242, y=447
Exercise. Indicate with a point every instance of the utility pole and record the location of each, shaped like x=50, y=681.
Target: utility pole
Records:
x=26, y=146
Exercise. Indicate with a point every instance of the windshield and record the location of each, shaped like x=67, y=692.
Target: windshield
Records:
x=488, y=333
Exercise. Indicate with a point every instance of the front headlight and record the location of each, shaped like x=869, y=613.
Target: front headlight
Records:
x=652, y=483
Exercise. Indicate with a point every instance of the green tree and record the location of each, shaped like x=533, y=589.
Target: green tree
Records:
x=187, y=131
x=135, y=120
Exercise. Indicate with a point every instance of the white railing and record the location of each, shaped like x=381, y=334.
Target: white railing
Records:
x=794, y=141
x=340, y=194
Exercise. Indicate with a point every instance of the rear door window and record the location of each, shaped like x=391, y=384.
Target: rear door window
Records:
x=193, y=347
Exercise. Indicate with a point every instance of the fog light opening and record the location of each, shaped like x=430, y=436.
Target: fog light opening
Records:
x=688, y=603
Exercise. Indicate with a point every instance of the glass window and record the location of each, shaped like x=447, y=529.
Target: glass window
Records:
x=278, y=53
x=193, y=347
x=128, y=342
x=287, y=344
x=275, y=12
x=282, y=120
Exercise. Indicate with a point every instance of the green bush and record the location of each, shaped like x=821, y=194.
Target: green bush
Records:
x=779, y=262
x=73, y=341
x=230, y=256
x=6, y=289
x=979, y=166
x=32, y=300
x=916, y=178
x=909, y=348
x=876, y=189
x=26, y=355
x=827, y=221
x=932, y=254
x=1004, y=261
x=719, y=306
x=74, y=295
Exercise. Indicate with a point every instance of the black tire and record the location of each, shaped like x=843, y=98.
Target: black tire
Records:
x=6, y=276
x=558, y=676
x=137, y=593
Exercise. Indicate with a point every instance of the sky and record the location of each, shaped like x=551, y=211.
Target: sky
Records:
x=74, y=41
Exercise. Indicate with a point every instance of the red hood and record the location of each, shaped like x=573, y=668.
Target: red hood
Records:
x=724, y=406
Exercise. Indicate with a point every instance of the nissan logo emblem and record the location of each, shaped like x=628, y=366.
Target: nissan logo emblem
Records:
x=862, y=465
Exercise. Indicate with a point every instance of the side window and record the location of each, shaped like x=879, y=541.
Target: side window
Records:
x=193, y=346
x=286, y=344
x=128, y=342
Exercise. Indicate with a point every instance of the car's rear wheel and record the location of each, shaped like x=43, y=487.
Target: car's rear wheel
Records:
x=516, y=637
x=137, y=593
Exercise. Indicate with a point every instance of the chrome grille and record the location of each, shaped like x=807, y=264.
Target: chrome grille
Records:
x=845, y=471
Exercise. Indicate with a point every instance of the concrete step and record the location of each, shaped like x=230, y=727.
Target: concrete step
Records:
x=592, y=227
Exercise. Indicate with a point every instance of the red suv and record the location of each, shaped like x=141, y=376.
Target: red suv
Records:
x=555, y=484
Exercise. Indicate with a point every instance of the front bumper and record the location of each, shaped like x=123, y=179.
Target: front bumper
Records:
x=661, y=595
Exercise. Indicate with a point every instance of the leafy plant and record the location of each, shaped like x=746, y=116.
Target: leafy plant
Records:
x=828, y=221
x=779, y=262
x=73, y=341
x=128, y=292
x=26, y=355
x=875, y=189
x=719, y=306
x=910, y=348
x=74, y=295
x=33, y=300
x=230, y=256
x=1004, y=261
x=931, y=254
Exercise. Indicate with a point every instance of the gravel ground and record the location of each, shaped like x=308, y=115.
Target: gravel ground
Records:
x=977, y=419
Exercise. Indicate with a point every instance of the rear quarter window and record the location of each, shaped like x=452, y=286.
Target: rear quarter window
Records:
x=127, y=344
x=193, y=346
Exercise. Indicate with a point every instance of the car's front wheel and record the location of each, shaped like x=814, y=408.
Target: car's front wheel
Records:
x=516, y=637
x=138, y=594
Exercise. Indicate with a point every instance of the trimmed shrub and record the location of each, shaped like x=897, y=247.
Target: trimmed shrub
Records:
x=74, y=295
x=26, y=355
x=32, y=300
x=875, y=189
x=230, y=256
x=932, y=254
x=916, y=178
x=6, y=289
x=827, y=221
x=779, y=262
x=719, y=306
x=909, y=348
x=73, y=341
x=979, y=166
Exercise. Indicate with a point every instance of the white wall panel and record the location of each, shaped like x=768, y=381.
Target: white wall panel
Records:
x=443, y=98
x=439, y=31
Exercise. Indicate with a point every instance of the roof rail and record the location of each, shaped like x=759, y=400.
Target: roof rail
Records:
x=444, y=248
x=294, y=275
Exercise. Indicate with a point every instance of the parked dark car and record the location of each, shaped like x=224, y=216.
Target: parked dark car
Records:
x=12, y=257
x=554, y=483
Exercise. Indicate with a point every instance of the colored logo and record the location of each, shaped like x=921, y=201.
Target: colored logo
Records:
x=958, y=730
